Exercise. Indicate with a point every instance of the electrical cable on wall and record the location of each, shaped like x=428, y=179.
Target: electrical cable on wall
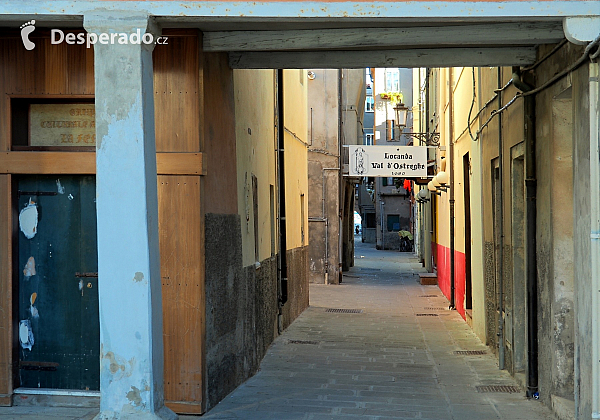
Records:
x=586, y=54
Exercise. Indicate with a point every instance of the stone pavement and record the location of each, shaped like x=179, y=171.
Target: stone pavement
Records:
x=383, y=363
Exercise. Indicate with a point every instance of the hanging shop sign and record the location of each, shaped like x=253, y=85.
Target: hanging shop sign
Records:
x=388, y=161
x=62, y=125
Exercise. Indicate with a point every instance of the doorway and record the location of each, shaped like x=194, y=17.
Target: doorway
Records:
x=57, y=270
x=467, y=212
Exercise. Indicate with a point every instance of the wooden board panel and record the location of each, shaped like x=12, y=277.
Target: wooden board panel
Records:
x=85, y=163
x=434, y=57
x=184, y=408
x=4, y=119
x=6, y=340
x=181, y=227
x=48, y=162
x=56, y=71
x=80, y=66
x=180, y=163
x=176, y=98
x=515, y=33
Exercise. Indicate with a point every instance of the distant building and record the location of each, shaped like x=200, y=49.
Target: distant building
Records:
x=391, y=201
x=365, y=190
x=336, y=101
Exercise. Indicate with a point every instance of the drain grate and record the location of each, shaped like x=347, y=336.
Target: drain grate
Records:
x=507, y=389
x=426, y=314
x=428, y=296
x=368, y=269
x=302, y=342
x=344, y=311
x=470, y=352
x=433, y=308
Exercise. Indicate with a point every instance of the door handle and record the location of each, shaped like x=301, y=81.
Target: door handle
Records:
x=82, y=276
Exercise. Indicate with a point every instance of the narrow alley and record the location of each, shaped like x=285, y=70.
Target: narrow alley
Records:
x=395, y=359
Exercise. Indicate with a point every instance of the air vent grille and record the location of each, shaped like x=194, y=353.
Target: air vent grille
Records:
x=507, y=389
x=344, y=311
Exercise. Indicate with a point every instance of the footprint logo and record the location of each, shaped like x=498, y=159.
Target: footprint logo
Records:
x=26, y=29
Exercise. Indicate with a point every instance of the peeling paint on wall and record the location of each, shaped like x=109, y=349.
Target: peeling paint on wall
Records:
x=25, y=334
x=59, y=187
x=29, y=269
x=33, y=309
x=134, y=396
x=118, y=366
x=138, y=277
x=28, y=220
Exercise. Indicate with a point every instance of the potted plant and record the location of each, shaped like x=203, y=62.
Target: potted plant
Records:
x=393, y=97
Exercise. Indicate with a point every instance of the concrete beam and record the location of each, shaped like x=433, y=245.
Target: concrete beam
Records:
x=581, y=30
x=448, y=57
x=522, y=33
x=131, y=364
x=469, y=11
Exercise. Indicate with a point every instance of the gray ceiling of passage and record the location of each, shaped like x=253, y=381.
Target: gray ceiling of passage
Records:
x=443, y=44
x=266, y=43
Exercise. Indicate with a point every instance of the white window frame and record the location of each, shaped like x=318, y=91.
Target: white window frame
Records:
x=370, y=104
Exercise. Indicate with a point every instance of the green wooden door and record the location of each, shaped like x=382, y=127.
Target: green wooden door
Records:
x=58, y=332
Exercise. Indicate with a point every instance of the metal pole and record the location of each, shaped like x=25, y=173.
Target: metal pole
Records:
x=530, y=233
x=451, y=139
x=501, y=228
x=595, y=234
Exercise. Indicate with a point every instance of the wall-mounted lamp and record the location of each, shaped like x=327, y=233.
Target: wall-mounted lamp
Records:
x=427, y=139
x=423, y=196
x=442, y=180
x=438, y=183
x=401, y=111
x=432, y=189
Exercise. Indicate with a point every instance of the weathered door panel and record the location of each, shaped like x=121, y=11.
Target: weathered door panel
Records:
x=181, y=229
x=59, y=332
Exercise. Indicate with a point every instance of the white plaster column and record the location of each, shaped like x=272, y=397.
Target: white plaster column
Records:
x=595, y=233
x=129, y=286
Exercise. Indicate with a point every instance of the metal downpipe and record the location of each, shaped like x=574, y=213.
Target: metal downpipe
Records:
x=283, y=280
x=530, y=238
x=501, y=236
x=451, y=152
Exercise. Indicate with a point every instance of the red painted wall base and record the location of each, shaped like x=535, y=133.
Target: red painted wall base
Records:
x=443, y=272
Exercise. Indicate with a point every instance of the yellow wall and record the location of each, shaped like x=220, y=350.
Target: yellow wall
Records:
x=296, y=145
x=256, y=140
x=462, y=101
